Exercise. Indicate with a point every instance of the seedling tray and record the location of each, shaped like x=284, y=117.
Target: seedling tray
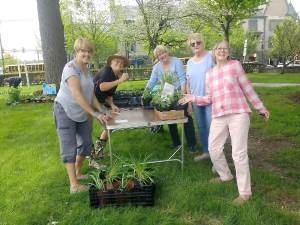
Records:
x=139, y=196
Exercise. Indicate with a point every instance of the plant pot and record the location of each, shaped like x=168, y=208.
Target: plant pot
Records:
x=116, y=184
x=146, y=103
x=179, y=107
x=109, y=187
x=130, y=185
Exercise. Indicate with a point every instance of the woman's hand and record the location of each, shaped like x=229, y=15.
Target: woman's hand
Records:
x=186, y=99
x=114, y=108
x=124, y=77
x=190, y=109
x=265, y=113
x=102, y=118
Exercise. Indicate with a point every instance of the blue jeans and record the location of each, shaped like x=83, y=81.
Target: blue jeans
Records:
x=203, y=118
x=189, y=132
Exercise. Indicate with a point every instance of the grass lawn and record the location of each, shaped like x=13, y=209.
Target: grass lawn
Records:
x=34, y=185
x=274, y=77
x=254, y=77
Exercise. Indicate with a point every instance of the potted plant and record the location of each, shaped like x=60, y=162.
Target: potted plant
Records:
x=129, y=182
x=142, y=174
x=161, y=104
x=146, y=98
x=112, y=177
x=97, y=190
x=175, y=105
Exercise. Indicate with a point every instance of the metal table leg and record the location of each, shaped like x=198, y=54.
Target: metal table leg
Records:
x=182, y=148
x=110, y=149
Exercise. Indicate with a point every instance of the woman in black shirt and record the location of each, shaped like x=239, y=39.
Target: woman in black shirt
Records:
x=105, y=85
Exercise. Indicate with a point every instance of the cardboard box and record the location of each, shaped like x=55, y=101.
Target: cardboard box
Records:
x=170, y=115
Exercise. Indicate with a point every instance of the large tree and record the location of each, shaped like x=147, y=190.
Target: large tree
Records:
x=238, y=37
x=224, y=14
x=286, y=42
x=9, y=59
x=52, y=38
x=160, y=23
x=87, y=18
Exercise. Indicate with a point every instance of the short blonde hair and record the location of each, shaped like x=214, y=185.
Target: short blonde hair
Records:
x=83, y=43
x=160, y=49
x=217, y=45
x=196, y=37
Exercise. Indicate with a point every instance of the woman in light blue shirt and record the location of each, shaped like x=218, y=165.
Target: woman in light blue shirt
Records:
x=174, y=65
x=197, y=67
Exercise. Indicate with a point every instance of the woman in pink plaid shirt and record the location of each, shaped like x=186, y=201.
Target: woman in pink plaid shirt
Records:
x=227, y=89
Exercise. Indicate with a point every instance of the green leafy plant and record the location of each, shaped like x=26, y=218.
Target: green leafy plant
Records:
x=168, y=77
x=13, y=96
x=97, y=181
x=168, y=102
x=146, y=97
x=147, y=94
x=113, y=174
x=141, y=172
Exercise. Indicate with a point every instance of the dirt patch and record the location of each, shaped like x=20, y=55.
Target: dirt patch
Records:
x=260, y=152
x=295, y=97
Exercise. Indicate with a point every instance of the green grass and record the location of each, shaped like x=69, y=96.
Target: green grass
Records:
x=34, y=185
x=274, y=77
x=254, y=77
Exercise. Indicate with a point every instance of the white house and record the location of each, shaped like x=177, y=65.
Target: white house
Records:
x=264, y=23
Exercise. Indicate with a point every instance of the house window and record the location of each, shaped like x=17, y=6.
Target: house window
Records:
x=273, y=24
x=252, y=25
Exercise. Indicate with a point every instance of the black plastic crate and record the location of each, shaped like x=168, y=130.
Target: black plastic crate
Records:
x=139, y=196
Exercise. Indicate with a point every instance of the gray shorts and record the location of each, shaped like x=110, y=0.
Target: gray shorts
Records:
x=75, y=138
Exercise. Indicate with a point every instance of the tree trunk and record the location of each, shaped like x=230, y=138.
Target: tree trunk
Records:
x=52, y=39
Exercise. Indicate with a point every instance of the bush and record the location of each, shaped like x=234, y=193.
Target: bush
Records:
x=13, y=96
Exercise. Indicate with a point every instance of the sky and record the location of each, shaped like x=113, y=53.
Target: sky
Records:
x=19, y=28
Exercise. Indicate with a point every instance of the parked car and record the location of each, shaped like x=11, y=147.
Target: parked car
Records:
x=139, y=60
x=280, y=65
x=296, y=63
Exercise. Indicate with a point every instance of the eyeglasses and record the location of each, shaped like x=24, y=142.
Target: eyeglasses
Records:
x=222, y=49
x=196, y=43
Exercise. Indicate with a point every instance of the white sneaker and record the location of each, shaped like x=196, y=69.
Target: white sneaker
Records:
x=201, y=157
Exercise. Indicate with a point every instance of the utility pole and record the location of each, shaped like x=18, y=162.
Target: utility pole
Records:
x=245, y=50
x=2, y=54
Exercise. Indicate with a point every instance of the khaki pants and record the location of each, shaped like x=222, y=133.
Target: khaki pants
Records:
x=237, y=125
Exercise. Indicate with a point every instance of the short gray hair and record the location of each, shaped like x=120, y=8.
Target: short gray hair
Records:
x=160, y=49
x=217, y=45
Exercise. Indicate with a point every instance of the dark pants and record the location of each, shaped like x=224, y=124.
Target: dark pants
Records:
x=189, y=132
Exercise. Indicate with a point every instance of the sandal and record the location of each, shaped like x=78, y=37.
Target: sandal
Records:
x=240, y=200
x=79, y=188
x=217, y=180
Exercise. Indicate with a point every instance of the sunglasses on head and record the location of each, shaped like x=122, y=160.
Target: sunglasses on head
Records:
x=196, y=43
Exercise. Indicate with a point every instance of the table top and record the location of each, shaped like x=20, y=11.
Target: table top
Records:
x=137, y=117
